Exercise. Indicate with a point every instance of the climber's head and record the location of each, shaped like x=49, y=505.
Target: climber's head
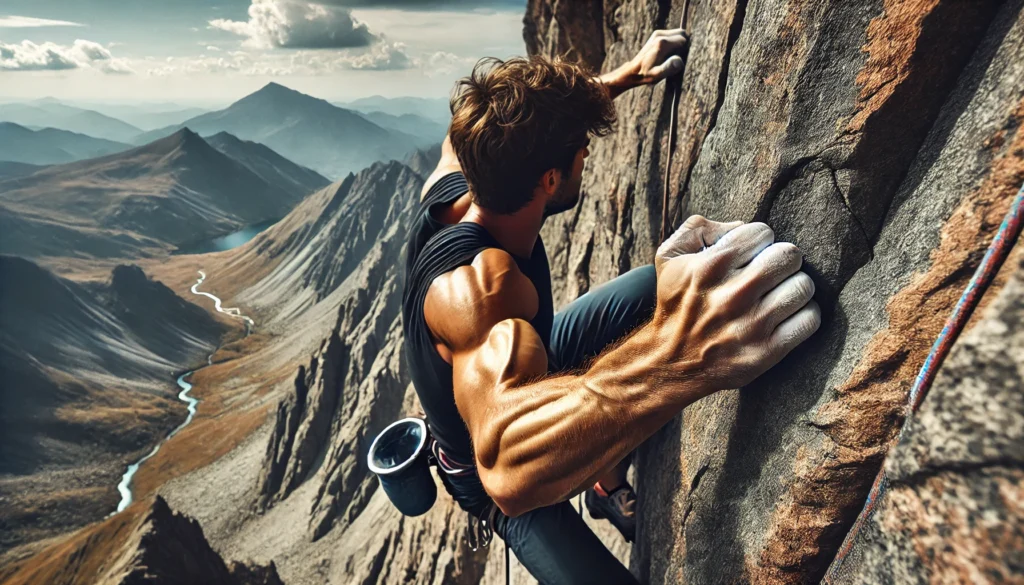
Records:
x=521, y=127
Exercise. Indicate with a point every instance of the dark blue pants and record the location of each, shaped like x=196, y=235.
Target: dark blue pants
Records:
x=554, y=543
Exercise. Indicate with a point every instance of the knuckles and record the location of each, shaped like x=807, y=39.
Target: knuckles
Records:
x=788, y=251
x=695, y=221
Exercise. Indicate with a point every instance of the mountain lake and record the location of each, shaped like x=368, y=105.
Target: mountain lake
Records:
x=225, y=242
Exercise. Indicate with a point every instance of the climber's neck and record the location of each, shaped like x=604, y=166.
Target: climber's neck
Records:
x=517, y=232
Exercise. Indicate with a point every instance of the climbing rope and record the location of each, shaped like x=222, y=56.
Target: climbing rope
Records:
x=997, y=253
x=674, y=86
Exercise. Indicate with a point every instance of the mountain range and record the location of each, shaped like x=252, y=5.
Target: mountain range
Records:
x=330, y=140
x=149, y=116
x=436, y=109
x=175, y=190
x=430, y=131
x=51, y=146
x=51, y=113
x=268, y=165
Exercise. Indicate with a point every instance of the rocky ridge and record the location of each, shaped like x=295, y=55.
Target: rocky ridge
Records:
x=169, y=548
x=150, y=543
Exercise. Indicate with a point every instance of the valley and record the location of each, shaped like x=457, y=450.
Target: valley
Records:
x=101, y=313
x=314, y=263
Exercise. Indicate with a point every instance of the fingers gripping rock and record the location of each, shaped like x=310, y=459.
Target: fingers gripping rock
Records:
x=731, y=295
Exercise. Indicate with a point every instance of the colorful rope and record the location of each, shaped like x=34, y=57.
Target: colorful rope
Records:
x=997, y=253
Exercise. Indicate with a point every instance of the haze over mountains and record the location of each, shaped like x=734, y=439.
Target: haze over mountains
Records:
x=327, y=138
x=53, y=114
x=51, y=146
x=331, y=140
x=268, y=165
x=149, y=116
x=435, y=109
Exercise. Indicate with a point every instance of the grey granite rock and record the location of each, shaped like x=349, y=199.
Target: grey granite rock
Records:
x=835, y=123
x=953, y=511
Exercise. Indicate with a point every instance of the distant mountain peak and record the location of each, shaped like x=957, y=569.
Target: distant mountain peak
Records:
x=185, y=136
x=183, y=141
x=276, y=89
x=223, y=135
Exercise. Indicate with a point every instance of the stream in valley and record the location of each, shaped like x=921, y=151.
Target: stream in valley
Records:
x=125, y=487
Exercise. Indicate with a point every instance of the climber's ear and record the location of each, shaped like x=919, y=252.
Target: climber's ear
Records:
x=550, y=182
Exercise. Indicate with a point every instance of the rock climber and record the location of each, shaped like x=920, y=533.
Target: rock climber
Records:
x=529, y=407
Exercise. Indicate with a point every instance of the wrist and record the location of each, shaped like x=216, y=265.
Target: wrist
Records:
x=622, y=79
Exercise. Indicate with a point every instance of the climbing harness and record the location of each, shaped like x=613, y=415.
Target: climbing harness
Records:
x=997, y=253
x=479, y=530
x=675, y=86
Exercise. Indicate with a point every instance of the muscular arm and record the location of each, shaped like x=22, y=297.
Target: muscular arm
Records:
x=722, y=318
x=540, y=439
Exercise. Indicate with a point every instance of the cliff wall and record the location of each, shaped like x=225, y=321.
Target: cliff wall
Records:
x=881, y=137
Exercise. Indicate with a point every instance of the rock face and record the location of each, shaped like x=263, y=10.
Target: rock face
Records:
x=355, y=383
x=953, y=512
x=302, y=423
x=832, y=122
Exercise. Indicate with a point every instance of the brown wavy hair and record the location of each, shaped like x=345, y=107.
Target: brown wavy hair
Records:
x=514, y=120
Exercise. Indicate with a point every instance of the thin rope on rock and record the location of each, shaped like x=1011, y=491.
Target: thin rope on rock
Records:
x=675, y=86
x=1004, y=240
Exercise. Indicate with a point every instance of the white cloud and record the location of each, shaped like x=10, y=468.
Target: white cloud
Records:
x=29, y=22
x=443, y=63
x=298, y=24
x=29, y=56
x=384, y=56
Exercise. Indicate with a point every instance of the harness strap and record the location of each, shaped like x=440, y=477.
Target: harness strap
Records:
x=448, y=465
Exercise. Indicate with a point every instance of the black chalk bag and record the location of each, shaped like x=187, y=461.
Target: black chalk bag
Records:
x=400, y=458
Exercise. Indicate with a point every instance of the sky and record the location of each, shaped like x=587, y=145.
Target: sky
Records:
x=211, y=52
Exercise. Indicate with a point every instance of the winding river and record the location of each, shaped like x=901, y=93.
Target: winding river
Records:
x=125, y=487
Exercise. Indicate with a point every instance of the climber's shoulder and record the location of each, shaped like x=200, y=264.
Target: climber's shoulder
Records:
x=463, y=305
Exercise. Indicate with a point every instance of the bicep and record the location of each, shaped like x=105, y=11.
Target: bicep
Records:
x=449, y=163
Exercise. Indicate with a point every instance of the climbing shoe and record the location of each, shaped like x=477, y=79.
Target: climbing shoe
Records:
x=618, y=507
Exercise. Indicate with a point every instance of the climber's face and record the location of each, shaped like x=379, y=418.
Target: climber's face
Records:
x=567, y=195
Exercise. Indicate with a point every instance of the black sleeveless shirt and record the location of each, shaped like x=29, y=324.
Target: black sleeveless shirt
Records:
x=434, y=249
